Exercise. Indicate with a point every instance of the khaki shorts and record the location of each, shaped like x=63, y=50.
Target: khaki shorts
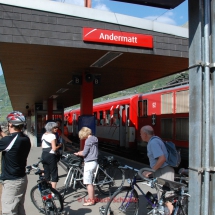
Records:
x=13, y=196
x=89, y=169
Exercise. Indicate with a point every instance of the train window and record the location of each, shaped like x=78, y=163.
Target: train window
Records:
x=145, y=105
x=167, y=103
x=167, y=128
x=128, y=117
x=116, y=117
x=182, y=129
x=182, y=101
x=142, y=108
x=107, y=118
x=95, y=115
x=101, y=117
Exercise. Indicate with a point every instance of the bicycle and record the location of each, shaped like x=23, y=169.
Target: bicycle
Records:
x=126, y=200
x=106, y=176
x=45, y=198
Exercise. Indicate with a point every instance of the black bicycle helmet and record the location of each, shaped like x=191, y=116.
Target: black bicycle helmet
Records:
x=16, y=118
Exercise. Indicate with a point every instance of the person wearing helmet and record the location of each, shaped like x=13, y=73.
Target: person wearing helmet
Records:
x=15, y=149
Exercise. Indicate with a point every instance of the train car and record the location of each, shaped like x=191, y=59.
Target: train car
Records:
x=118, y=121
x=167, y=111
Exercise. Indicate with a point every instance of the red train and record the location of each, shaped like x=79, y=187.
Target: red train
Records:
x=118, y=121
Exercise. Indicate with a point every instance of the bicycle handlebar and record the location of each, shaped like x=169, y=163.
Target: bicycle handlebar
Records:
x=183, y=171
x=143, y=170
x=128, y=167
x=33, y=166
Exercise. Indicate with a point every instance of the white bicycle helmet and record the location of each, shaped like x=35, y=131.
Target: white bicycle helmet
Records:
x=16, y=118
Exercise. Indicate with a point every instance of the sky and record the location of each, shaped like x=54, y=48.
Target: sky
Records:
x=177, y=16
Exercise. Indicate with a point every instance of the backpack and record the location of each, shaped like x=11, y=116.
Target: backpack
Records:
x=174, y=155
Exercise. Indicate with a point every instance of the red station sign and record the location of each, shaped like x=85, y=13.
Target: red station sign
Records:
x=117, y=37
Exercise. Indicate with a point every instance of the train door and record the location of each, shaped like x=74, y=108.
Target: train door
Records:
x=124, y=126
x=74, y=125
x=121, y=127
x=127, y=126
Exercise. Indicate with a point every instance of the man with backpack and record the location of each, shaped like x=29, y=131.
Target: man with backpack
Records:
x=157, y=154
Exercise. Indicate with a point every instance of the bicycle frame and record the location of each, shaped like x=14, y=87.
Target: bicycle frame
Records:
x=104, y=181
x=101, y=175
x=74, y=170
x=133, y=184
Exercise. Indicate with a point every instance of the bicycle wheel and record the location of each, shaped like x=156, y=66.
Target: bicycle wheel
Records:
x=68, y=179
x=182, y=209
x=117, y=175
x=37, y=199
x=39, y=204
x=57, y=201
x=124, y=201
x=81, y=179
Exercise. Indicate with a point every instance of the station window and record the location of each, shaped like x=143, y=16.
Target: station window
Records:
x=182, y=129
x=167, y=128
x=143, y=108
x=167, y=103
x=182, y=101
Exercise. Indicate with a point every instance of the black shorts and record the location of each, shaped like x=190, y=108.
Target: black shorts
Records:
x=50, y=166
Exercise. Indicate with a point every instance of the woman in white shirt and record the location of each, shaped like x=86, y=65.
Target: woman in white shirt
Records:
x=49, y=146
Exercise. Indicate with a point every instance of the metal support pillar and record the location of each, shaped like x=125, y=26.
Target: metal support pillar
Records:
x=212, y=122
x=87, y=3
x=201, y=126
x=206, y=112
x=196, y=109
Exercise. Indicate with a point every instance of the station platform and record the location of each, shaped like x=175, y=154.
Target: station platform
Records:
x=74, y=199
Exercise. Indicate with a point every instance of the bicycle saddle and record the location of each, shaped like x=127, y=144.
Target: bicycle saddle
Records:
x=170, y=184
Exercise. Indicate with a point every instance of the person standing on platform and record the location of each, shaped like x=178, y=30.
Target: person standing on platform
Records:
x=50, y=153
x=60, y=133
x=15, y=149
x=90, y=154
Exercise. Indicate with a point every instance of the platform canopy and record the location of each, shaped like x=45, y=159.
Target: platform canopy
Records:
x=44, y=44
x=167, y=4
